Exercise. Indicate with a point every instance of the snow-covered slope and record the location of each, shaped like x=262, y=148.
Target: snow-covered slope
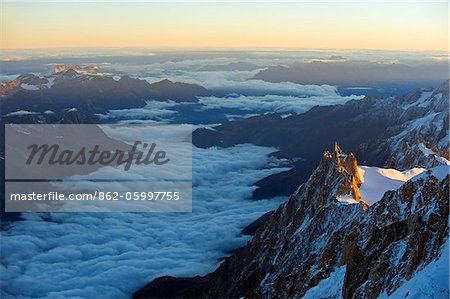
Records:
x=439, y=172
x=430, y=282
x=421, y=137
x=328, y=287
x=376, y=181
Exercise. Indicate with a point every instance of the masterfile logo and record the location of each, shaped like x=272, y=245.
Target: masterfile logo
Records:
x=52, y=154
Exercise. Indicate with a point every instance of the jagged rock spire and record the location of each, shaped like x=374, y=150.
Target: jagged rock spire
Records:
x=351, y=166
x=346, y=163
x=343, y=170
x=337, y=149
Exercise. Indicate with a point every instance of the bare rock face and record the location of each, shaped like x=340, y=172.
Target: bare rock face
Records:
x=62, y=68
x=7, y=87
x=313, y=234
x=348, y=166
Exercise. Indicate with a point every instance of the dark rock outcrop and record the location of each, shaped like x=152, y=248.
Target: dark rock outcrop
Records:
x=257, y=224
x=171, y=287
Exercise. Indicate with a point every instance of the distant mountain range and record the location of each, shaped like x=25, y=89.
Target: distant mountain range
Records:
x=88, y=90
x=352, y=76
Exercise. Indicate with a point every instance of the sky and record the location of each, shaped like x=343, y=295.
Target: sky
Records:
x=336, y=25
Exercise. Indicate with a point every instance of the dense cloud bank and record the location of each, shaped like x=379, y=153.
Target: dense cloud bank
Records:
x=93, y=255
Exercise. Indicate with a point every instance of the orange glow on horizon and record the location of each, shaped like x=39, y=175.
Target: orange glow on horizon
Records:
x=406, y=26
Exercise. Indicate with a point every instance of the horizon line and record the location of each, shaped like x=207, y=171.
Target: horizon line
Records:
x=227, y=48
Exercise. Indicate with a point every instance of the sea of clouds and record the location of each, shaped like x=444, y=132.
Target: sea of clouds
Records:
x=154, y=112
x=110, y=255
x=234, y=88
x=272, y=103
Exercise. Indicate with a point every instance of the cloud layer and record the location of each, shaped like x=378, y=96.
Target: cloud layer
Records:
x=110, y=255
x=272, y=103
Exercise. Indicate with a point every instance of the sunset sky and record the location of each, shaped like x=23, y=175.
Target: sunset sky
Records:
x=383, y=25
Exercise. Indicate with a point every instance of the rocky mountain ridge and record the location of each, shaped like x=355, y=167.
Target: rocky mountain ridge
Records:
x=89, y=90
x=367, y=250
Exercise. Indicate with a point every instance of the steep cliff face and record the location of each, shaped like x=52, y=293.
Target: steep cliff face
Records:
x=315, y=235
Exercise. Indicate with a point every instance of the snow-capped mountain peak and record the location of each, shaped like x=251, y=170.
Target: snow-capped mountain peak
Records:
x=315, y=246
